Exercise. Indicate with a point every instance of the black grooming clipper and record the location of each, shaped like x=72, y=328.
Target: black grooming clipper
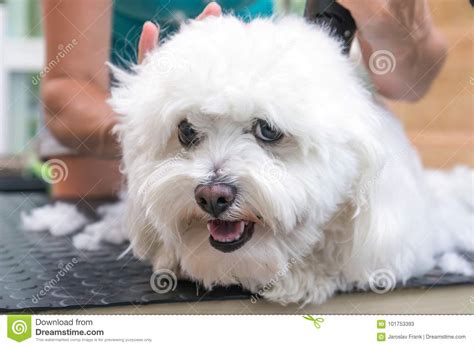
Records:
x=330, y=14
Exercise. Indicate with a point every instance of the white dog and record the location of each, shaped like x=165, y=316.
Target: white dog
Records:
x=255, y=154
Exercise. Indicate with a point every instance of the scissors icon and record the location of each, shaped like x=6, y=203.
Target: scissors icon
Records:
x=316, y=321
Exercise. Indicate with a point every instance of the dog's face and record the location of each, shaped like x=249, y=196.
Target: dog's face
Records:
x=241, y=142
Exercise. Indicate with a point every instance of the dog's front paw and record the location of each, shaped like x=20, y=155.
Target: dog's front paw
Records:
x=302, y=291
x=148, y=247
x=164, y=260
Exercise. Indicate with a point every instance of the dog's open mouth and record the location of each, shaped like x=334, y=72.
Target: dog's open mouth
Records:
x=228, y=236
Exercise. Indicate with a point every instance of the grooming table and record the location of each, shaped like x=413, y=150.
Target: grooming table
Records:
x=29, y=261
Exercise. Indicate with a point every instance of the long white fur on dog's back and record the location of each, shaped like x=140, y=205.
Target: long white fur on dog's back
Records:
x=453, y=206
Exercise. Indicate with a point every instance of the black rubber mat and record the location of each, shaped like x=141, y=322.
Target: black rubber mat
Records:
x=39, y=271
x=15, y=183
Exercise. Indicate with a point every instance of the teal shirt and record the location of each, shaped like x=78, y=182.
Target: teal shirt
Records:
x=129, y=16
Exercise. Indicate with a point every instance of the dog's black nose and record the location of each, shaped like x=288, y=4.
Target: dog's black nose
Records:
x=215, y=198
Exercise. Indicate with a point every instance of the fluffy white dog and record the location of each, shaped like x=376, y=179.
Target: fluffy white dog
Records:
x=256, y=155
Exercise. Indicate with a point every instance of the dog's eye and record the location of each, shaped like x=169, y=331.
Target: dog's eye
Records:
x=265, y=132
x=186, y=134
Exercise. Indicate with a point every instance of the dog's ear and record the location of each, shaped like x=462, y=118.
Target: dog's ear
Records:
x=120, y=80
x=120, y=97
x=383, y=190
x=136, y=97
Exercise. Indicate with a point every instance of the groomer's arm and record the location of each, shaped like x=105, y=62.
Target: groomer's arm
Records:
x=405, y=29
x=75, y=88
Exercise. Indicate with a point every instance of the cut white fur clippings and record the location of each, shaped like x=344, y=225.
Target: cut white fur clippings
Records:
x=60, y=219
x=454, y=263
x=349, y=198
x=109, y=229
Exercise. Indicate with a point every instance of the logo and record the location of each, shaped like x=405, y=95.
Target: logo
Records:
x=274, y=171
x=382, y=62
x=382, y=281
x=54, y=171
x=316, y=320
x=19, y=327
x=163, y=281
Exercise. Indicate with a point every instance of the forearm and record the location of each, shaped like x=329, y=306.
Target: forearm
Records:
x=77, y=114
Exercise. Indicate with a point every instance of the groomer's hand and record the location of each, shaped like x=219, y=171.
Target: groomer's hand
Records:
x=75, y=91
x=400, y=45
x=151, y=32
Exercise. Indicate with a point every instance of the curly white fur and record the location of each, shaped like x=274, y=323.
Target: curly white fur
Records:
x=342, y=196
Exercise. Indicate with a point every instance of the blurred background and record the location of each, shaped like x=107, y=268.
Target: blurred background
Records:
x=440, y=125
x=22, y=50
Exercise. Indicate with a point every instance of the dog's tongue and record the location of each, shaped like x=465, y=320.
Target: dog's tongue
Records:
x=225, y=231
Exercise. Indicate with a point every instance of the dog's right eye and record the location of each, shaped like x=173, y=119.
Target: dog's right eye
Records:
x=186, y=134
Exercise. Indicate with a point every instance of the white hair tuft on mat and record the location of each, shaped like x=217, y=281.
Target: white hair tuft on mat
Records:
x=452, y=262
x=63, y=219
x=60, y=219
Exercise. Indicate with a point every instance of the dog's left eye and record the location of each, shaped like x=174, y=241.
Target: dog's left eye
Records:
x=265, y=132
x=186, y=134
